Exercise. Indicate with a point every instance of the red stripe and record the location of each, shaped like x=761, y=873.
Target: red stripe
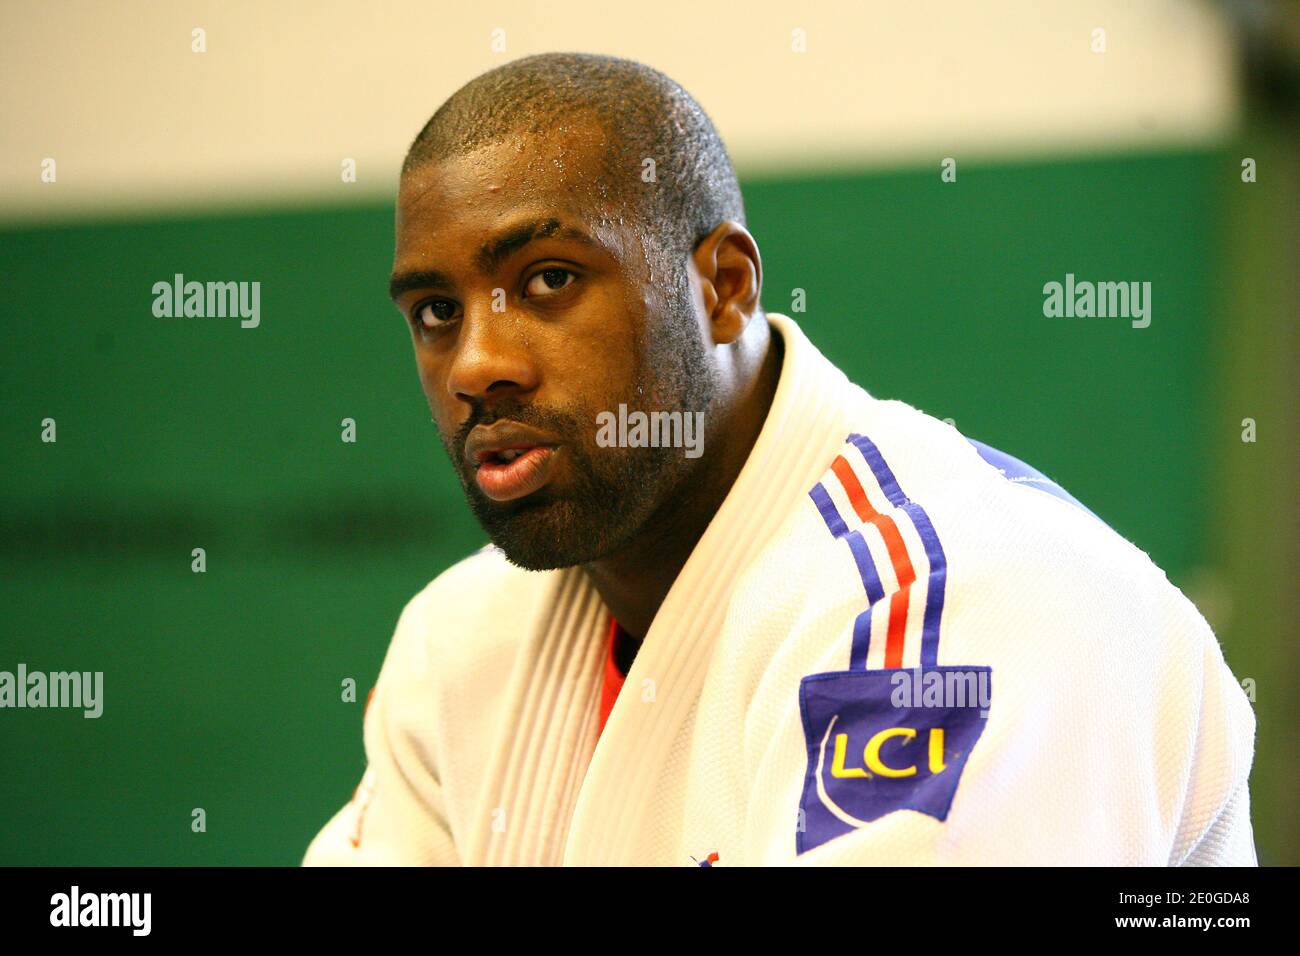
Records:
x=612, y=678
x=898, y=556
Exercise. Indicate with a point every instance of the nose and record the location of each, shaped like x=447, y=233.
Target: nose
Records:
x=491, y=359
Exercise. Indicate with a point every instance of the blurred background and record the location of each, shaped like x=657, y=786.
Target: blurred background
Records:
x=1115, y=156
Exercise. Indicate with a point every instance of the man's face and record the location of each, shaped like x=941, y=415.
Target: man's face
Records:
x=530, y=315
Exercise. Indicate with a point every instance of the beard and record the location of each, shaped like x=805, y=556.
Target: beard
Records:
x=613, y=493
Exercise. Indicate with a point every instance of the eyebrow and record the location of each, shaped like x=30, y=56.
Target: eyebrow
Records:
x=491, y=255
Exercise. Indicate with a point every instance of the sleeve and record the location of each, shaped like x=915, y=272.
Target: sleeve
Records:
x=397, y=815
x=1107, y=732
x=1215, y=828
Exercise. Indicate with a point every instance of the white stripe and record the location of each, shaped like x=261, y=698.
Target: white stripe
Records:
x=870, y=533
x=879, y=635
x=915, y=547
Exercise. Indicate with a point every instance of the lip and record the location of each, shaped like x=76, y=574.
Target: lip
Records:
x=523, y=476
x=507, y=481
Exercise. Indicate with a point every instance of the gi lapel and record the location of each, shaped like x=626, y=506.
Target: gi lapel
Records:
x=544, y=741
x=630, y=792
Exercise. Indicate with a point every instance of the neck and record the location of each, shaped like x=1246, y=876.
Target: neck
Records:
x=634, y=581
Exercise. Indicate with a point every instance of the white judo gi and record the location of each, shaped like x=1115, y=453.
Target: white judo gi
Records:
x=892, y=645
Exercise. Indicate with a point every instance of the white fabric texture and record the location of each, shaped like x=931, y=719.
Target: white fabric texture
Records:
x=1116, y=734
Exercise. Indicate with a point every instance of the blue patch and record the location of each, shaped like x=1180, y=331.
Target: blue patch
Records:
x=1013, y=469
x=886, y=740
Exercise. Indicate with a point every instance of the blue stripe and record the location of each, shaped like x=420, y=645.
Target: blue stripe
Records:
x=866, y=570
x=933, y=549
x=866, y=567
x=861, y=640
x=830, y=514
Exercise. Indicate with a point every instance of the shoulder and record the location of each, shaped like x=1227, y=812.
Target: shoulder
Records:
x=919, y=547
x=928, y=581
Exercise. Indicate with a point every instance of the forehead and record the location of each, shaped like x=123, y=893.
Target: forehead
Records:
x=559, y=171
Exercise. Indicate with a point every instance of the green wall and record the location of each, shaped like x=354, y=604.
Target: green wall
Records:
x=222, y=689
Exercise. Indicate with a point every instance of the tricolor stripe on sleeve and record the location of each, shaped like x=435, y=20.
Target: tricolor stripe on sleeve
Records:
x=897, y=554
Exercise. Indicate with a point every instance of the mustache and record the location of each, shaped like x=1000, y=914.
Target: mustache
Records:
x=557, y=422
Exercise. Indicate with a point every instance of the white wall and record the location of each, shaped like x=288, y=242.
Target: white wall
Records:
x=286, y=90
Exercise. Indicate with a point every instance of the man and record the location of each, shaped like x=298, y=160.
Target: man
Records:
x=844, y=634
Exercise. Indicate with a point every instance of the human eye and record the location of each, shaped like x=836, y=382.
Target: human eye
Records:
x=548, y=281
x=433, y=314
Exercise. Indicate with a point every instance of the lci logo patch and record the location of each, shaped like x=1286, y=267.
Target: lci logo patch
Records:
x=869, y=756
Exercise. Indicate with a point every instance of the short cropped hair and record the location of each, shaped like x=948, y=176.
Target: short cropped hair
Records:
x=644, y=114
